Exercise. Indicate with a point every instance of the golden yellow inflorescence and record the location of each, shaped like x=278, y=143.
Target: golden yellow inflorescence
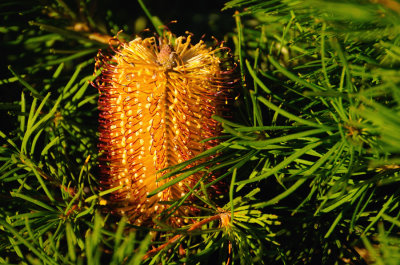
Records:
x=156, y=102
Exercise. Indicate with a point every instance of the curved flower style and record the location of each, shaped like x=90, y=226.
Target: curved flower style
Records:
x=156, y=102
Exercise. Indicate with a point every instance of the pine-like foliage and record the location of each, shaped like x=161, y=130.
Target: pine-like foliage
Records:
x=310, y=158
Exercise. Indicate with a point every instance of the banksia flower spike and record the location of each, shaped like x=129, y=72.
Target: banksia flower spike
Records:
x=156, y=100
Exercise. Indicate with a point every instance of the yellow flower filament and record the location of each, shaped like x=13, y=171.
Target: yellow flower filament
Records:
x=156, y=102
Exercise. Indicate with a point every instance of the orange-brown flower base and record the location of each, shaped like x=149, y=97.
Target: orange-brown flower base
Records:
x=156, y=102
